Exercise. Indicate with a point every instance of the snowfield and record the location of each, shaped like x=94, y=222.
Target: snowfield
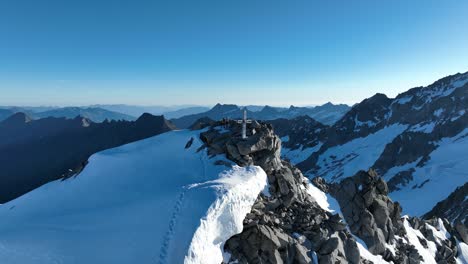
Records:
x=359, y=154
x=151, y=201
x=300, y=154
x=441, y=175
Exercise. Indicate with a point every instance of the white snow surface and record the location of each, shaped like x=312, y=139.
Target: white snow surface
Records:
x=462, y=253
x=424, y=128
x=300, y=154
x=225, y=216
x=412, y=236
x=403, y=100
x=397, y=169
x=319, y=196
x=152, y=201
x=441, y=175
x=359, y=154
x=376, y=259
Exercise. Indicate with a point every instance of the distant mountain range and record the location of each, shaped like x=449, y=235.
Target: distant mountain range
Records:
x=93, y=113
x=34, y=152
x=167, y=111
x=99, y=113
x=326, y=114
x=183, y=116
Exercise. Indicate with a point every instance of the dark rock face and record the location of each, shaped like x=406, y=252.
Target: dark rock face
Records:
x=454, y=208
x=369, y=212
x=287, y=226
x=35, y=152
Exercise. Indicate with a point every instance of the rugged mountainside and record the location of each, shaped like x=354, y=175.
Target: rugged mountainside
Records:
x=326, y=114
x=293, y=224
x=34, y=152
x=416, y=141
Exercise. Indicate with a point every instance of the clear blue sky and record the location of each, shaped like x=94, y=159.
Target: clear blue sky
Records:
x=57, y=52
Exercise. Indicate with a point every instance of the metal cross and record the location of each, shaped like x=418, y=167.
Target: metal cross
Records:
x=244, y=123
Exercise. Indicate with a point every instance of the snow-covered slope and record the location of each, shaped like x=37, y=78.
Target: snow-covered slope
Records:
x=152, y=201
x=446, y=169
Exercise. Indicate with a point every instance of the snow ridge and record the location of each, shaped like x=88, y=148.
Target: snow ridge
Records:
x=238, y=189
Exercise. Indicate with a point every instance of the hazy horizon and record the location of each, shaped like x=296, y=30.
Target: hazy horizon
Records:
x=161, y=106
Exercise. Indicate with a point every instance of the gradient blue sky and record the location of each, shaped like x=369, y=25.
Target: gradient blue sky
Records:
x=56, y=52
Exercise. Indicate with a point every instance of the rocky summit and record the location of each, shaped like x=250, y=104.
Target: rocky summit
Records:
x=287, y=225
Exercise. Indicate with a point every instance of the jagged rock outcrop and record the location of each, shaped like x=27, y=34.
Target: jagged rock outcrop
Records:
x=287, y=225
x=369, y=212
x=447, y=250
x=373, y=217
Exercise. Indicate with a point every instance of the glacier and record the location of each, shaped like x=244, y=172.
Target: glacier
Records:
x=151, y=201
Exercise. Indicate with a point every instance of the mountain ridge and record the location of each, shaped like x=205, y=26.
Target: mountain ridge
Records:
x=55, y=148
x=327, y=113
